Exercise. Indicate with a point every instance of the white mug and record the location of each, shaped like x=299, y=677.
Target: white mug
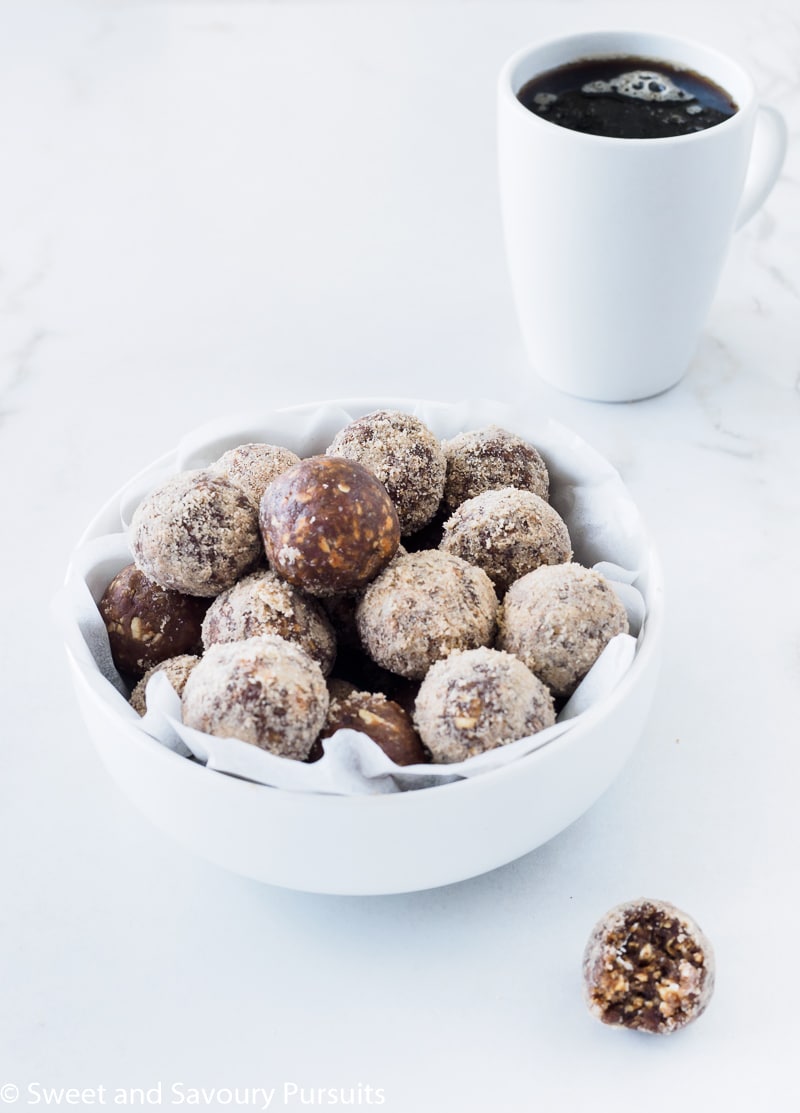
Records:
x=615, y=246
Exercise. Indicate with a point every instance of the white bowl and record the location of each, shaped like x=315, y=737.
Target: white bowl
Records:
x=383, y=843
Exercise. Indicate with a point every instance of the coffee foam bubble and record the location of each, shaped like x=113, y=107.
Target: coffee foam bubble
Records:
x=644, y=85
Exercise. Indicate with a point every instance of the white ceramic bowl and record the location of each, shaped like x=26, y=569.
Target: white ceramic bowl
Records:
x=386, y=843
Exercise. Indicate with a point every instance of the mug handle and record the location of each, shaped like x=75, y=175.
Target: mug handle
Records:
x=770, y=141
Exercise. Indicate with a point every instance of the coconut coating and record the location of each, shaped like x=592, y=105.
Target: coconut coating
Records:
x=477, y=700
x=176, y=669
x=263, y=603
x=196, y=533
x=507, y=533
x=328, y=525
x=147, y=623
x=404, y=455
x=252, y=467
x=649, y=967
x=385, y=722
x=558, y=619
x=489, y=459
x=421, y=608
x=264, y=691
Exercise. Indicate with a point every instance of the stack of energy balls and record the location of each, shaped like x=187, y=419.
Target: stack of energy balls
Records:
x=420, y=591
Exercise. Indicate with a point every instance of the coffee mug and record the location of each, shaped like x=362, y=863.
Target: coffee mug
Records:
x=615, y=245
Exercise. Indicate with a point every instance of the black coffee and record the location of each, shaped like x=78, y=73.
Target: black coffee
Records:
x=627, y=98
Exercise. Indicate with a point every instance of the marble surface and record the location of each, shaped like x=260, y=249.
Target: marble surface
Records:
x=212, y=206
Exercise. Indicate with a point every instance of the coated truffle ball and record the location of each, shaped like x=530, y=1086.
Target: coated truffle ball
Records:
x=263, y=603
x=176, y=669
x=558, y=620
x=264, y=691
x=252, y=467
x=328, y=525
x=422, y=607
x=507, y=533
x=649, y=967
x=147, y=623
x=477, y=700
x=402, y=452
x=489, y=459
x=196, y=533
x=384, y=721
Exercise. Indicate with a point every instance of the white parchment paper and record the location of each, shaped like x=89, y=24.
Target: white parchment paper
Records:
x=606, y=532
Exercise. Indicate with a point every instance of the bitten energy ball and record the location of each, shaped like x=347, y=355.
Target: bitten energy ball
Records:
x=147, y=623
x=264, y=691
x=489, y=459
x=422, y=607
x=252, y=467
x=477, y=700
x=176, y=669
x=384, y=721
x=648, y=966
x=263, y=603
x=404, y=455
x=558, y=620
x=196, y=533
x=507, y=533
x=328, y=525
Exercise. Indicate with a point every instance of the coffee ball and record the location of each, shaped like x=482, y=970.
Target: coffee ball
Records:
x=147, y=623
x=403, y=453
x=328, y=525
x=558, y=619
x=263, y=603
x=385, y=722
x=422, y=607
x=647, y=966
x=264, y=691
x=477, y=700
x=176, y=670
x=507, y=533
x=252, y=467
x=489, y=459
x=196, y=533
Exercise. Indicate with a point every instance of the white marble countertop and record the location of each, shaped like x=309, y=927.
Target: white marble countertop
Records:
x=211, y=206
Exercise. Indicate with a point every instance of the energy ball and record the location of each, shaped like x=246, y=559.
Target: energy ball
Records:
x=649, y=967
x=489, y=459
x=507, y=533
x=252, y=467
x=421, y=608
x=477, y=700
x=328, y=525
x=196, y=533
x=404, y=455
x=263, y=603
x=176, y=669
x=147, y=623
x=264, y=691
x=558, y=619
x=384, y=721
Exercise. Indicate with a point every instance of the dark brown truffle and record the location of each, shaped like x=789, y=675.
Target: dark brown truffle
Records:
x=147, y=623
x=489, y=459
x=263, y=603
x=507, y=533
x=403, y=453
x=385, y=722
x=328, y=525
x=649, y=967
x=196, y=533
x=558, y=619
